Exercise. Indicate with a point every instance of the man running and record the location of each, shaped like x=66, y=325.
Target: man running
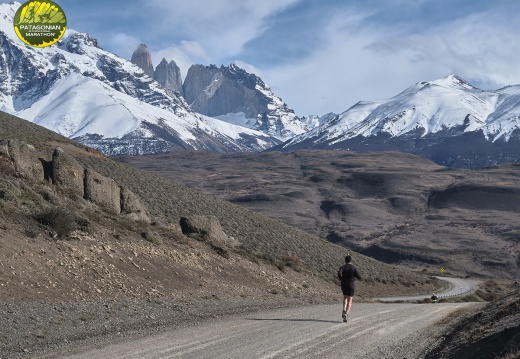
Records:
x=434, y=298
x=348, y=275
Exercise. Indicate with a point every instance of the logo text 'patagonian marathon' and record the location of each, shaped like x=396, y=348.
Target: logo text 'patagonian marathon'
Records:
x=40, y=23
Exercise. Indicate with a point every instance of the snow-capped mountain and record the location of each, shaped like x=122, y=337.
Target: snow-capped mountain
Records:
x=233, y=95
x=448, y=120
x=83, y=92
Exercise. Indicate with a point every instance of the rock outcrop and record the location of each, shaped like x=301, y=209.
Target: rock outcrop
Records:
x=102, y=190
x=206, y=228
x=65, y=172
x=24, y=158
x=132, y=207
x=142, y=58
x=216, y=91
x=168, y=74
x=243, y=98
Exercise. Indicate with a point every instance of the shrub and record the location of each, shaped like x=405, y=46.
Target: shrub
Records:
x=220, y=251
x=280, y=265
x=291, y=261
x=30, y=233
x=61, y=220
x=152, y=237
x=487, y=295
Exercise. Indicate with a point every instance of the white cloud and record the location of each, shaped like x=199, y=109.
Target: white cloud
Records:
x=123, y=45
x=185, y=54
x=252, y=69
x=359, y=60
x=222, y=27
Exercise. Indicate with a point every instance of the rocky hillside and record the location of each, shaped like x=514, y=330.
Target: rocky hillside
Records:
x=92, y=247
x=395, y=207
x=492, y=333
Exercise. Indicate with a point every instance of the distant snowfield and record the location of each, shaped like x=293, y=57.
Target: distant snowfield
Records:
x=69, y=110
x=430, y=107
x=238, y=119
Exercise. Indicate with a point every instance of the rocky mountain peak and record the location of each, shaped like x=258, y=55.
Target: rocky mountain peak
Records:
x=168, y=74
x=243, y=77
x=448, y=121
x=142, y=58
x=75, y=43
x=236, y=96
x=453, y=81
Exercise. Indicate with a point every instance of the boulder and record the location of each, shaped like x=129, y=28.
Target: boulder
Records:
x=132, y=207
x=67, y=172
x=206, y=228
x=103, y=191
x=24, y=158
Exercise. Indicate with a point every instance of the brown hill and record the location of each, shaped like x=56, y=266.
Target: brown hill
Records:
x=90, y=247
x=491, y=333
x=395, y=207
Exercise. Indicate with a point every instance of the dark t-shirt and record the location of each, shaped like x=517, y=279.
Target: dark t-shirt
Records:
x=348, y=273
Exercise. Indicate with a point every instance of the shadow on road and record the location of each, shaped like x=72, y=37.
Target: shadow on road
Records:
x=296, y=320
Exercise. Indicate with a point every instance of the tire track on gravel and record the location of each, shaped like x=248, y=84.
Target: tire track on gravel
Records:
x=373, y=330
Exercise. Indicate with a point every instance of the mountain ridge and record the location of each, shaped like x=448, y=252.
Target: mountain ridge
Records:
x=447, y=120
x=427, y=119
x=140, y=111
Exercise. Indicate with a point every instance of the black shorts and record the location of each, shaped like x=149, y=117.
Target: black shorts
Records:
x=348, y=288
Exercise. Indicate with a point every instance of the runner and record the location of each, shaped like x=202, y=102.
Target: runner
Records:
x=434, y=298
x=348, y=275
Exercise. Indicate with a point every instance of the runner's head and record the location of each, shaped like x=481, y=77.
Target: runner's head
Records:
x=348, y=259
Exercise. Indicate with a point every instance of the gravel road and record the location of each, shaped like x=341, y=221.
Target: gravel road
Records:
x=373, y=331
x=458, y=287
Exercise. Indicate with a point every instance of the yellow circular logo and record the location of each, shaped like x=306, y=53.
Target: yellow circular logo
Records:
x=40, y=23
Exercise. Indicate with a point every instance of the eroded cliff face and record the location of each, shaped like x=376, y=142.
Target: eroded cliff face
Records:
x=216, y=91
x=65, y=172
x=236, y=96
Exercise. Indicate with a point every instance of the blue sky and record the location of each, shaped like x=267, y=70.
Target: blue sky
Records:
x=320, y=56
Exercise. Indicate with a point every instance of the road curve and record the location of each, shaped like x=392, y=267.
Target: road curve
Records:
x=458, y=286
x=374, y=330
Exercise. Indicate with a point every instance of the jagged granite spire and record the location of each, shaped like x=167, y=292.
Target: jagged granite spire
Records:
x=169, y=75
x=142, y=58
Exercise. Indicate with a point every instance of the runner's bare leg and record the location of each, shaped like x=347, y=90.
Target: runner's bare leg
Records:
x=347, y=303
